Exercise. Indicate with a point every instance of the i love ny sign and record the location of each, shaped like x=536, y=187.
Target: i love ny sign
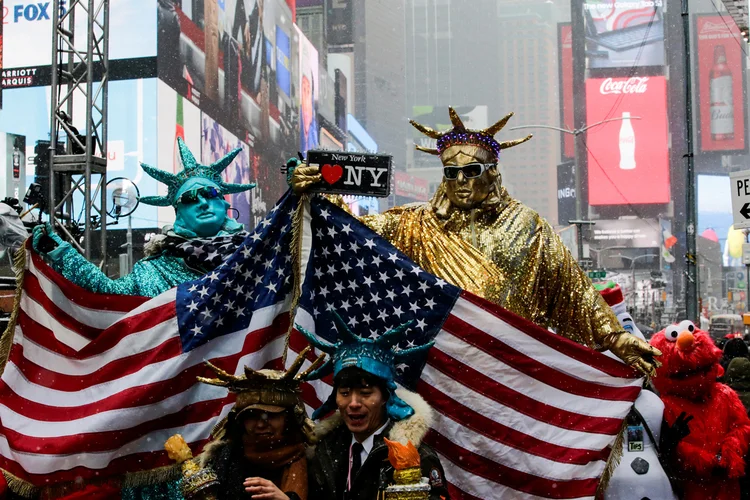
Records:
x=352, y=173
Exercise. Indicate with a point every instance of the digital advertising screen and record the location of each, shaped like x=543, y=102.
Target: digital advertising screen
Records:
x=632, y=148
x=234, y=60
x=624, y=34
x=565, y=65
x=132, y=31
x=339, y=22
x=237, y=63
x=720, y=60
x=566, y=192
x=309, y=93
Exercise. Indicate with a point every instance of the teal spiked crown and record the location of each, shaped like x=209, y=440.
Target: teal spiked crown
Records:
x=191, y=169
x=377, y=357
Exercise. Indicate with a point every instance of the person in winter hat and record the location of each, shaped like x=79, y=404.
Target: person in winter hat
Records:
x=734, y=348
x=351, y=457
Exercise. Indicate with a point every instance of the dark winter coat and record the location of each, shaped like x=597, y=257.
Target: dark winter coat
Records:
x=232, y=469
x=329, y=467
x=738, y=378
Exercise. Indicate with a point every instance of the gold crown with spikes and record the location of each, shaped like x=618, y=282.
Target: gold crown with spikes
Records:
x=459, y=135
x=264, y=387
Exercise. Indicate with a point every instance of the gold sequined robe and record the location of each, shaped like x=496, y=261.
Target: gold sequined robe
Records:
x=507, y=253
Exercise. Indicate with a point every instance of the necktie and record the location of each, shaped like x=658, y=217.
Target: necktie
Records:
x=357, y=450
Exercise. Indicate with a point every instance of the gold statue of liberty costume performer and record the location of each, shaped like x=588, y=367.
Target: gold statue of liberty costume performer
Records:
x=474, y=235
x=196, y=193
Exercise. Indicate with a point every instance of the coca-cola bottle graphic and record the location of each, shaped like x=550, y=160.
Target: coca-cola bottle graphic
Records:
x=627, y=143
x=720, y=86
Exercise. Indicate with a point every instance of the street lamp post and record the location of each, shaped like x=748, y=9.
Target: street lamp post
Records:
x=576, y=132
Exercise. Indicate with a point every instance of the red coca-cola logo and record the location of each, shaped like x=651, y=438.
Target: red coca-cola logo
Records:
x=633, y=85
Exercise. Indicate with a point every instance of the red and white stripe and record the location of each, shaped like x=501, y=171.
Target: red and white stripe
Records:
x=95, y=384
x=520, y=412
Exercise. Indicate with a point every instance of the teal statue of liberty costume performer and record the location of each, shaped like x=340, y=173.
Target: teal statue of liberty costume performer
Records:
x=196, y=193
x=201, y=222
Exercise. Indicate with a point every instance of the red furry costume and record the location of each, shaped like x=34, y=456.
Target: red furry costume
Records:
x=710, y=459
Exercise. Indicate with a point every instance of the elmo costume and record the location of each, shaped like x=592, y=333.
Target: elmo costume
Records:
x=710, y=459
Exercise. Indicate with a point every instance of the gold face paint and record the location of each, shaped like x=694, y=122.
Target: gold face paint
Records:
x=463, y=192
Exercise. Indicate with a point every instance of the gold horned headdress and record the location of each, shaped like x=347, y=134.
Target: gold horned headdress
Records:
x=459, y=135
x=266, y=390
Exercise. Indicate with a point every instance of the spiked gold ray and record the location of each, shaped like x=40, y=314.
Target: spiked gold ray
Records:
x=455, y=119
x=516, y=142
x=497, y=127
x=252, y=378
x=432, y=151
x=429, y=132
x=458, y=126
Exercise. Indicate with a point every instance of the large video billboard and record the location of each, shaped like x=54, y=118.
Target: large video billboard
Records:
x=628, y=159
x=720, y=63
x=565, y=65
x=238, y=62
x=624, y=34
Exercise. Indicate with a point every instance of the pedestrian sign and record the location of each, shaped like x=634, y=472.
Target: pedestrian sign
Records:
x=740, y=187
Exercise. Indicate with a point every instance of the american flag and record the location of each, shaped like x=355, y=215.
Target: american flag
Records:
x=520, y=411
x=95, y=384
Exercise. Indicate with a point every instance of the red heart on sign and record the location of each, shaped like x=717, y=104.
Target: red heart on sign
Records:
x=331, y=173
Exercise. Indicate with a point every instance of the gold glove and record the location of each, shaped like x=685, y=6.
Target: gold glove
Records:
x=633, y=351
x=305, y=176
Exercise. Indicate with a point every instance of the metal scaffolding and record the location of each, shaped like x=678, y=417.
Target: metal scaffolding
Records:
x=80, y=74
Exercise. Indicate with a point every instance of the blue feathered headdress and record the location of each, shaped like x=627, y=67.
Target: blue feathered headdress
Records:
x=377, y=357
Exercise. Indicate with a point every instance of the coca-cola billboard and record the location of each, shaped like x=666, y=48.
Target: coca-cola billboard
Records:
x=721, y=85
x=628, y=158
x=632, y=85
x=565, y=54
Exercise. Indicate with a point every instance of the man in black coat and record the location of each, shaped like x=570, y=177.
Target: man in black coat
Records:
x=351, y=459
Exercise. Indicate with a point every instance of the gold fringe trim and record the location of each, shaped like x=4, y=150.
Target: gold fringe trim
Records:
x=153, y=476
x=143, y=478
x=6, y=340
x=19, y=486
x=296, y=268
x=612, y=462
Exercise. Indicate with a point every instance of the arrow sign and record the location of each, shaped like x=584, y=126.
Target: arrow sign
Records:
x=739, y=183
